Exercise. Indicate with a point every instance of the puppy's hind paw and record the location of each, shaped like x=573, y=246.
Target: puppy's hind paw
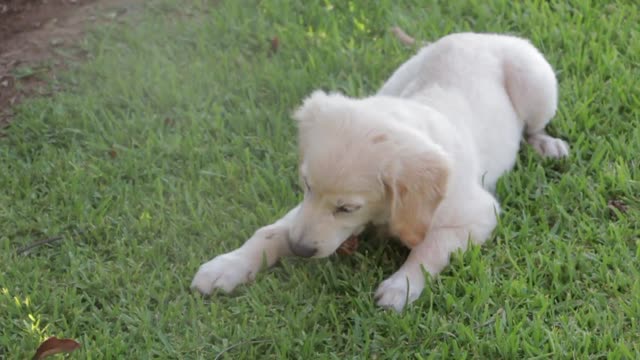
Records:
x=548, y=146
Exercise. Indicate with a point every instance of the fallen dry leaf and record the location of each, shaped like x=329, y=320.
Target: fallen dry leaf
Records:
x=169, y=122
x=349, y=247
x=113, y=153
x=617, y=204
x=275, y=44
x=402, y=36
x=53, y=345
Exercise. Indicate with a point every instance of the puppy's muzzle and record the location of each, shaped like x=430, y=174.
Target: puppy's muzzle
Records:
x=300, y=249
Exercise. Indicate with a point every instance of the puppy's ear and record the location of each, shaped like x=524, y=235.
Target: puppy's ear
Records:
x=416, y=183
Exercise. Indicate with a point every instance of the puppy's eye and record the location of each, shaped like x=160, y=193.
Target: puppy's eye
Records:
x=345, y=209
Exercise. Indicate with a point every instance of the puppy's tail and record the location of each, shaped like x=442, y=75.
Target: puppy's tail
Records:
x=405, y=38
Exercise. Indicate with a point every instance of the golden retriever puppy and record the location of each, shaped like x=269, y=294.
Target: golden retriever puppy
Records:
x=421, y=157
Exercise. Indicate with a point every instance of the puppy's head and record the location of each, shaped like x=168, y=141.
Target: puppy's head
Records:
x=357, y=166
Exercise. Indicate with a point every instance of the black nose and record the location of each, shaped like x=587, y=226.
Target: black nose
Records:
x=302, y=249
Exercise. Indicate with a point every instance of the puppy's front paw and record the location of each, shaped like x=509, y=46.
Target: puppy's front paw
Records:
x=548, y=146
x=398, y=291
x=224, y=272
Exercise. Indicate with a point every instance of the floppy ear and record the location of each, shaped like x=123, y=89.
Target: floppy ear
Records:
x=416, y=183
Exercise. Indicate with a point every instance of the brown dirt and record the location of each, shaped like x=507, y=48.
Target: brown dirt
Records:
x=33, y=34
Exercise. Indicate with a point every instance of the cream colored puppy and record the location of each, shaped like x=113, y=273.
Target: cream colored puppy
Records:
x=420, y=157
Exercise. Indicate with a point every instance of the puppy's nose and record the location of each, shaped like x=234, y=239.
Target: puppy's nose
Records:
x=302, y=250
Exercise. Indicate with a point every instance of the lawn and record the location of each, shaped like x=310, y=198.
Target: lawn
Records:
x=173, y=142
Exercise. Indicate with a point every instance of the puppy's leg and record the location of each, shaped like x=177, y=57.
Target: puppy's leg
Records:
x=240, y=266
x=475, y=223
x=533, y=90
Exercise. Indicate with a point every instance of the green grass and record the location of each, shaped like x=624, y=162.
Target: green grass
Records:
x=173, y=143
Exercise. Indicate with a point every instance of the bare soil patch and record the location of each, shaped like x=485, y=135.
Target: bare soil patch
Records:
x=33, y=34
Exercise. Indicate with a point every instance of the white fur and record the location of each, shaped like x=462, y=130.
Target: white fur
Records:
x=420, y=157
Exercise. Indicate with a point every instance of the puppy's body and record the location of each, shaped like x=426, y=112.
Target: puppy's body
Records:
x=420, y=157
x=490, y=88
